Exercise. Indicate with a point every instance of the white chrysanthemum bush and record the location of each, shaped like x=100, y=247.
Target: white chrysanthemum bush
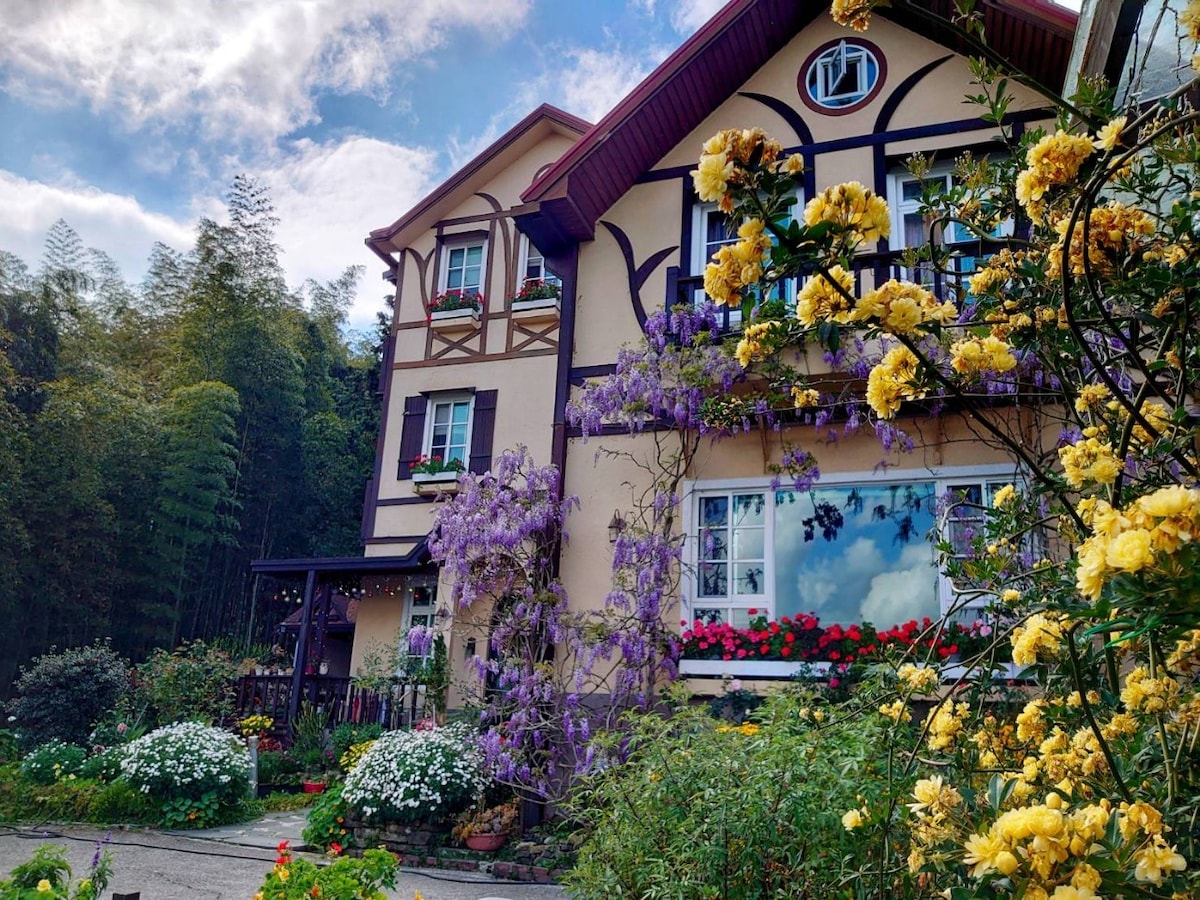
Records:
x=416, y=776
x=187, y=761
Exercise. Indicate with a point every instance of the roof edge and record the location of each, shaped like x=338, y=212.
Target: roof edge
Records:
x=543, y=113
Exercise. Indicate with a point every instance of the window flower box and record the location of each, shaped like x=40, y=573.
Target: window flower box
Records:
x=536, y=310
x=428, y=483
x=466, y=319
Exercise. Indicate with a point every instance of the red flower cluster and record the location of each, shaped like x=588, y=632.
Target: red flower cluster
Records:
x=804, y=639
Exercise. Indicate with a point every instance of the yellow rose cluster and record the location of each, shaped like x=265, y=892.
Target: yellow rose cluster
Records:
x=919, y=679
x=858, y=213
x=946, y=724
x=751, y=347
x=1038, y=638
x=738, y=265
x=854, y=14
x=1114, y=234
x=902, y=307
x=1129, y=540
x=974, y=356
x=892, y=381
x=726, y=160
x=1089, y=460
x=821, y=301
x=1054, y=160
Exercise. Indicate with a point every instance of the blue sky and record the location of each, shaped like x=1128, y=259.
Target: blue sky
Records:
x=129, y=118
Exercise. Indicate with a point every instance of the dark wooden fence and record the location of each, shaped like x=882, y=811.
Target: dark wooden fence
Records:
x=335, y=697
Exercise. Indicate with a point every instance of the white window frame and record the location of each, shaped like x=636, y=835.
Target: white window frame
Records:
x=448, y=399
x=988, y=477
x=450, y=244
x=901, y=207
x=846, y=54
x=701, y=258
x=528, y=254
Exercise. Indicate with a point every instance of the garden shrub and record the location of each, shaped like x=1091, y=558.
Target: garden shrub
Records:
x=120, y=803
x=52, y=761
x=326, y=827
x=61, y=694
x=300, y=879
x=276, y=767
x=704, y=808
x=348, y=734
x=104, y=765
x=190, y=768
x=411, y=776
x=193, y=681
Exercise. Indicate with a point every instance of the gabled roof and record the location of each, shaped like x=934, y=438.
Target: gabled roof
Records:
x=544, y=120
x=1034, y=35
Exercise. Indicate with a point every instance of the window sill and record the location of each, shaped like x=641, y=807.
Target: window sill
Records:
x=533, y=312
x=436, y=483
x=454, y=320
x=776, y=669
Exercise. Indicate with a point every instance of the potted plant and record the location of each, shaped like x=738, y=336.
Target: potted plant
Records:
x=535, y=289
x=536, y=301
x=486, y=829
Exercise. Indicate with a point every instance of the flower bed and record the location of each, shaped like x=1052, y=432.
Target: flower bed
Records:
x=804, y=639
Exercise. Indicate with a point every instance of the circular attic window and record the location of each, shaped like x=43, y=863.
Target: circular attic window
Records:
x=842, y=76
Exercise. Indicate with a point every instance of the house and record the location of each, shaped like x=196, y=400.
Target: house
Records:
x=606, y=215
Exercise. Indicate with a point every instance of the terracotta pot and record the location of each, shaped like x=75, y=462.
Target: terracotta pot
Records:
x=314, y=787
x=485, y=842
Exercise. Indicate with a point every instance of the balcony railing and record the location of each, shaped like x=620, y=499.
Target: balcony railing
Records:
x=337, y=698
x=870, y=269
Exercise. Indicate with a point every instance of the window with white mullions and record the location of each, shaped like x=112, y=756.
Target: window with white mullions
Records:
x=534, y=267
x=449, y=429
x=464, y=269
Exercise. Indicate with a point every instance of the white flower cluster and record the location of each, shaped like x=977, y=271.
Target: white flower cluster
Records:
x=187, y=759
x=411, y=776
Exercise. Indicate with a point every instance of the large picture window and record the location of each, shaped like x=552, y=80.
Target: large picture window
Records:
x=845, y=552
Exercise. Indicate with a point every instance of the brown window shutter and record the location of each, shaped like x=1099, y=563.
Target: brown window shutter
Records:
x=483, y=424
x=412, y=434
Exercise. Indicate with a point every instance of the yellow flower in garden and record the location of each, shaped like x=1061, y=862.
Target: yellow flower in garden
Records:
x=1010, y=595
x=1053, y=160
x=793, y=165
x=974, y=356
x=1031, y=721
x=44, y=886
x=934, y=797
x=946, y=725
x=1092, y=397
x=750, y=347
x=283, y=872
x=853, y=13
x=802, y=398
x=1110, y=135
x=989, y=853
x=1089, y=459
x=919, y=679
x=1003, y=496
x=749, y=729
x=1114, y=232
x=1189, y=19
x=711, y=178
x=901, y=306
x=859, y=212
x=892, y=381
x=1130, y=551
x=820, y=301
x=896, y=711
x=1156, y=858
x=1072, y=892
x=852, y=819
x=1144, y=693
x=1038, y=637
x=1139, y=818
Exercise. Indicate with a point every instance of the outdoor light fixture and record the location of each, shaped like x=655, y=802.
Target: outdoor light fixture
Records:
x=615, y=526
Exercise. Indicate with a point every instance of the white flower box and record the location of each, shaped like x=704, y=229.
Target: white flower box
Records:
x=532, y=312
x=454, y=319
x=435, y=482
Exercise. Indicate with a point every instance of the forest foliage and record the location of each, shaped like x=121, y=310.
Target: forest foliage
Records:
x=157, y=437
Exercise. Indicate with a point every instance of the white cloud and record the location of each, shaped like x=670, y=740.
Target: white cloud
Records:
x=591, y=82
x=688, y=15
x=902, y=592
x=117, y=224
x=245, y=68
x=328, y=196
